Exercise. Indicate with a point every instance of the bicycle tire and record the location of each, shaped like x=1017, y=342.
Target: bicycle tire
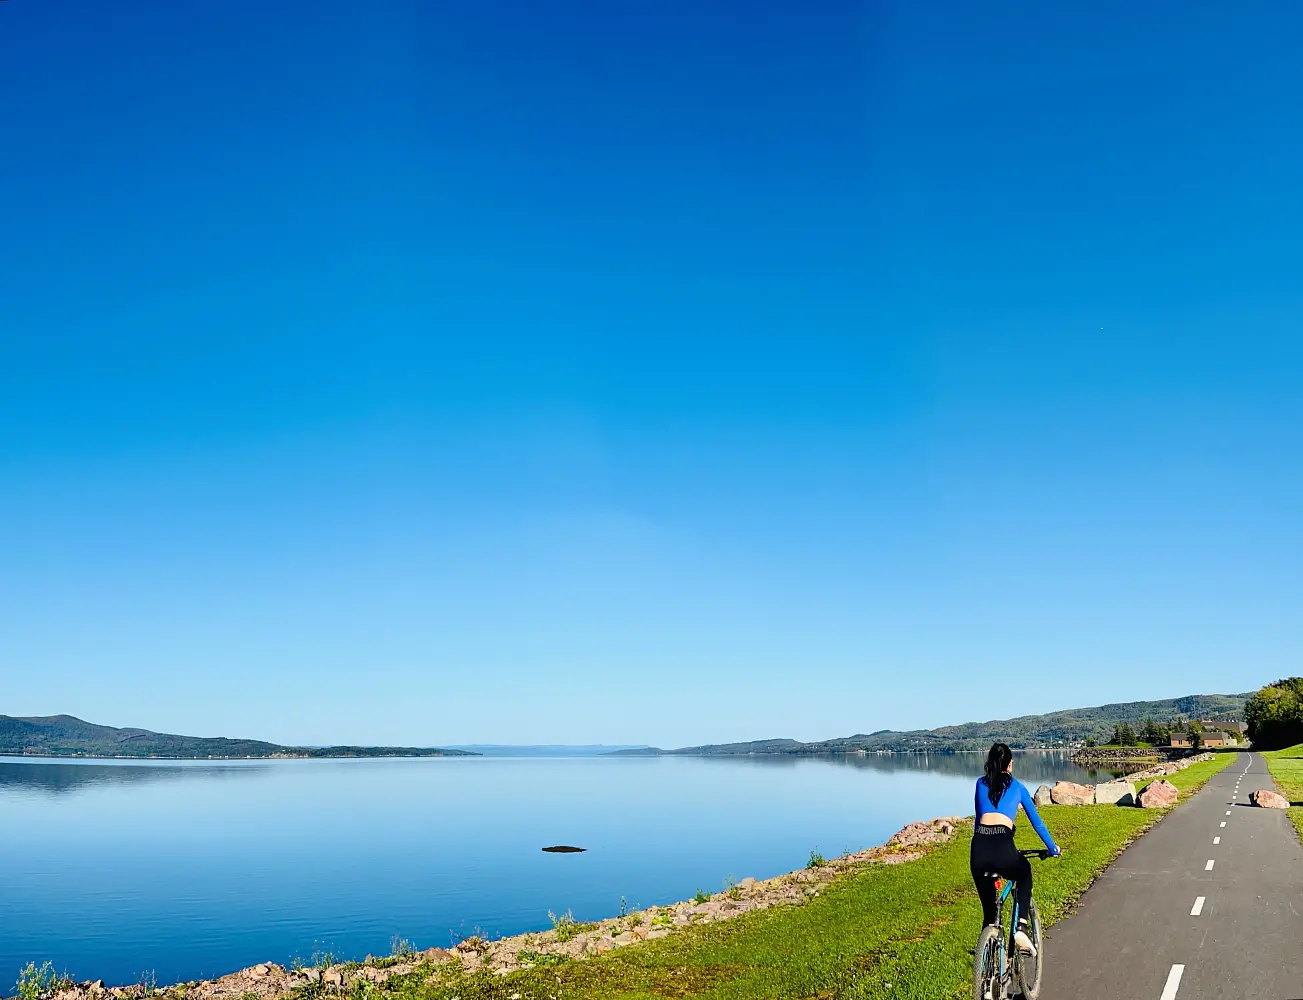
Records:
x=1029, y=979
x=986, y=965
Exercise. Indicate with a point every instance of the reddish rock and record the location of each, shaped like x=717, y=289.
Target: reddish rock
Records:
x=1268, y=799
x=1069, y=793
x=1158, y=795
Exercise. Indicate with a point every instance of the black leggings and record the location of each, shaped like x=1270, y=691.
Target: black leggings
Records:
x=993, y=850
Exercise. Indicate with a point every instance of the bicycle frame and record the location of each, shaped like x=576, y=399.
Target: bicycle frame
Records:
x=1005, y=887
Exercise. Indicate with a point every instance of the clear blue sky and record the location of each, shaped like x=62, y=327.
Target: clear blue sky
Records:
x=672, y=372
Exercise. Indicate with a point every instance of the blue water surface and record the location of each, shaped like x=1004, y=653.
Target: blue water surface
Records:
x=187, y=870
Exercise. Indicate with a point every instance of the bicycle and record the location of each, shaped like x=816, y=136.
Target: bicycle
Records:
x=993, y=973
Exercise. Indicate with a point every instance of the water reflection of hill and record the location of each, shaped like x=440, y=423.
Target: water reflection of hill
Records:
x=57, y=778
x=1032, y=767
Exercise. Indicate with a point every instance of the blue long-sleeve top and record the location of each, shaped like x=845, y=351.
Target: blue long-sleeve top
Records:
x=1014, y=796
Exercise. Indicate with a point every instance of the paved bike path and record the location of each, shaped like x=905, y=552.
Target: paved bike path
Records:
x=1141, y=920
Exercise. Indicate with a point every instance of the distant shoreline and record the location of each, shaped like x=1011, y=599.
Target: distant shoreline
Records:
x=45, y=755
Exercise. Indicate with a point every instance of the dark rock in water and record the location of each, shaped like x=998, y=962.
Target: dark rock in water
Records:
x=564, y=849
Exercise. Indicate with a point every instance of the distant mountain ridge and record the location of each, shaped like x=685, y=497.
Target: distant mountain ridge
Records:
x=68, y=736
x=1069, y=727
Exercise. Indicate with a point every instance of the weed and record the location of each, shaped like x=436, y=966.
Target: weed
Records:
x=816, y=860
x=566, y=927
x=478, y=944
x=701, y=897
x=400, y=947
x=624, y=907
x=635, y=920
x=539, y=958
x=148, y=983
x=39, y=982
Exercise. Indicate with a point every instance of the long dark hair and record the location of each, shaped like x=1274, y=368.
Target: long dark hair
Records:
x=997, y=778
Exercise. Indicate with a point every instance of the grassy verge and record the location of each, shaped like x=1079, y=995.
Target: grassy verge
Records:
x=1286, y=768
x=899, y=931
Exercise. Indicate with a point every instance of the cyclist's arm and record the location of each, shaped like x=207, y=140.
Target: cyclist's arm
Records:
x=977, y=802
x=1029, y=807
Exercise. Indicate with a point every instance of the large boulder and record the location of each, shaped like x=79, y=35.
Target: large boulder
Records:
x=1268, y=799
x=1069, y=793
x=1120, y=793
x=1158, y=795
x=1042, y=796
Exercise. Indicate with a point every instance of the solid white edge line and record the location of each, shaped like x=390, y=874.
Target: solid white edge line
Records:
x=1198, y=906
x=1209, y=866
x=1173, y=983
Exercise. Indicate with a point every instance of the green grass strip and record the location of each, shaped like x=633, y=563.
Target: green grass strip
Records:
x=904, y=932
x=1286, y=768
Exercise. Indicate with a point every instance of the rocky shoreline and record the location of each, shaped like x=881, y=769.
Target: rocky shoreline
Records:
x=1089, y=756
x=566, y=941
x=1122, y=792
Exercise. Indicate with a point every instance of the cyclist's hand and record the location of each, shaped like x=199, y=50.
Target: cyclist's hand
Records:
x=1055, y=851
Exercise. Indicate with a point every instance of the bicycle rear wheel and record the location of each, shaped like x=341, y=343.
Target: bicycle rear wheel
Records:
x=986, y=965
x=1026, y=968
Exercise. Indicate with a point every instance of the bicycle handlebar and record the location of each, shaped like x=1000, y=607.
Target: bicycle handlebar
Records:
x=1040, y=852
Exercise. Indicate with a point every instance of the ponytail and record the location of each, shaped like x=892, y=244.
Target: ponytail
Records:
x=997, y=778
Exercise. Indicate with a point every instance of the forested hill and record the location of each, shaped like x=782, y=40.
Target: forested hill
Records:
x=66, y=736
x=1055, y=729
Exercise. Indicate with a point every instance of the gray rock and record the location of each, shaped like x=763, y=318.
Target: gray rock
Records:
x=1121, y=793
x=1042, y=796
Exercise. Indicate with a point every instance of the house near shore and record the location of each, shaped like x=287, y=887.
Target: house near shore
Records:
x=1212, y=738
x=1220, y=739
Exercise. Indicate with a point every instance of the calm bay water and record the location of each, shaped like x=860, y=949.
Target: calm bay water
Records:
x=194, y=869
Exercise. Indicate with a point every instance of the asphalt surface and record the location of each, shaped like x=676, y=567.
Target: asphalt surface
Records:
x=1141, y=933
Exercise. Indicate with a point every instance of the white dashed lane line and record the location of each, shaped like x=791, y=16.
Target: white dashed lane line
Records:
x=1174, y=976
x=1173, y=983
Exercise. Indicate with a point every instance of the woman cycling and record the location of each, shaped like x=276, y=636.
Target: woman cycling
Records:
x=996, y=802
